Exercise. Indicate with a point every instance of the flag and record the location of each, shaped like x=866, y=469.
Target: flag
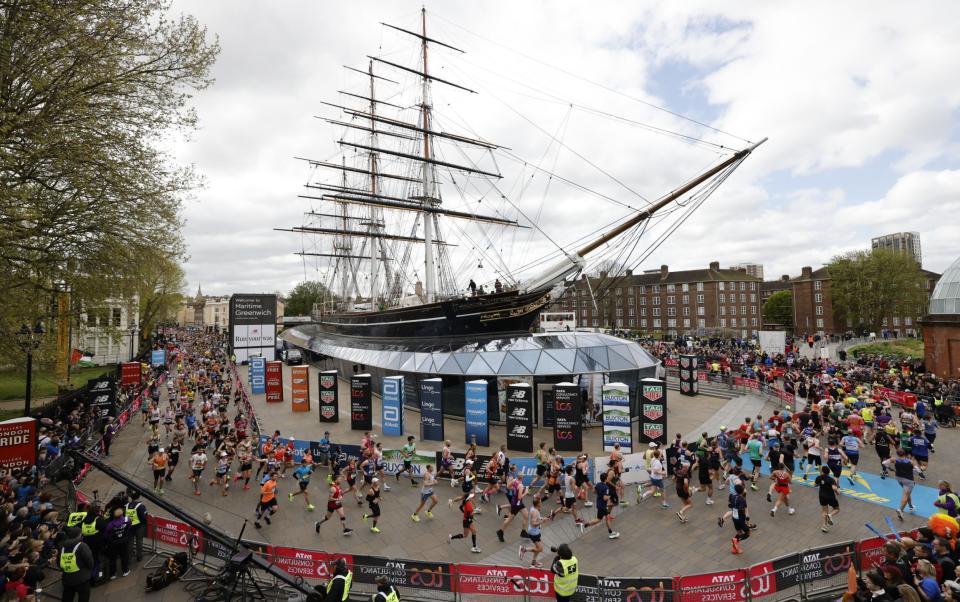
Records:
x=75, y=356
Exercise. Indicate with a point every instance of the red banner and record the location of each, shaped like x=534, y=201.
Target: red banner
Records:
x=747, y=383
x=729, y=586
x=671, y=363
x=701, y=375
x=173, y=533
x=299, y=389
x=504, y=581
x=901, y=398
x=275, y=382
x=129, y=373
x=18, y=444
x=307, y=563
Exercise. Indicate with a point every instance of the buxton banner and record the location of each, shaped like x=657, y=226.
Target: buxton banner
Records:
x=361, y=405
x=258, y=375
x=520, y=417
x=431, y=409
x=299, y=389
x=129, y=373
x=329, y=409
x=274, y=382
x=392, y=406
x=653, y=411
x=476, y=425
x=18, y=444
x=567, y=430
x=617, y=426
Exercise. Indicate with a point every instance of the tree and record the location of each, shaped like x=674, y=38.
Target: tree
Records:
x=778, y=309
x=159, y=289
x=868, y=286
x=90, y=93
x=303, y=296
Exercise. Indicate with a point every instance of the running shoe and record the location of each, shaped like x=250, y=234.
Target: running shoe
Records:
x=347, y=532
x=450, y=502
x=753, y=486
x=429, y=514
x=374, y=530
x=900, y=514
x=825, y=529
x=657, y=494
x=614, y=535
x=476, y=550
x=769, y=497
x=829, y=520
x=536, y=564
x=498, y=511
x=449, y=539
x=500, y=535
x=664, y=506
x=792, y=511
x=386, y=487
x=588, y=504
x=316, y=526
x=290, y=497
x=364, y=518
x=583, y=527
x=682, y=518
x=773, y=512
x=415, y=518
x=709, y=501
x=311, y=507
x=267, y=518
x=520, y=552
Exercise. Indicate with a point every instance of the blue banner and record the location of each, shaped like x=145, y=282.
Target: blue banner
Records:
x=392, y=398
x=431, y=409
x=158, y=357
x=475, y=409
x=258, y=375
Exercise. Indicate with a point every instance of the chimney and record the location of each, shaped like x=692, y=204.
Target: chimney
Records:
x=785, y=277
x=664, y=270
x=629, y=272
x=806, y=272
x=714, y=265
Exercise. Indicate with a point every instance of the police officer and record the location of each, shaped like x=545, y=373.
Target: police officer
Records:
x=76, y=562
x=338, y=588
x=566, y=573
x=137, y=513
x=91, y=529
x=386, y=592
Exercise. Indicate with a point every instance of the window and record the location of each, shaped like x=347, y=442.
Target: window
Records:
x=672, y=323
x=630, y=291
x=619, y=323
x=583, y=313
x=619, y=312
x=743, y=286
x=723, y=298
x=686, y=311
x=720, y=286
x=723, y=310
x=596, y=323
x=643, y=300
x=671, y=299
x=642, y=290
x=91, y=318
x=753, y=321
x=685, y=300
x=723, y=322
x=817, y=284
x=643, y=323
x=699, y=286
x=701, y=311
x=619, y=301
x=630, y=312
x=819, y=310
x=884, y=322
x=753, y=287
x=743, y=297
x=643, y=311
x=619, y=291
x=117, y=315
x=631, y=323
x=699, y=298
x=908, y=321
x=818, y=298
x=671, y=288
x=701, y=323
x=656, y=311
x=671, y=311
x=573, y=304
x=733, y=310
x=896, y=321
x=686, y=323
x=733, y=322
x=753, y=297
x=743, y=310
x=655, y=289
x=819, y=322
x=656, y=323
x=656, y=300
x=753, y=310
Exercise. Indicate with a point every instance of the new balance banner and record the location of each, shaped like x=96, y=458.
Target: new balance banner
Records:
x=567, y=430
x=653, y=411
x=624, y=589
x=479, y=466
x=361, y=406
x=274, y=382
x=392, y=407
x=431, y=409
x=258, y=375
x=299, y=389
x=329, y=409
x=18, y=444
x=102, y=396
x=129, y=373
x=476, y=426
x=617, y=426
x=436, y=576
x=520, y=417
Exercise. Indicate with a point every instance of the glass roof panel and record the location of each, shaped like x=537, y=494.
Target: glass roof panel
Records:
x=618, y=361
x=565, y=357
x=494, y=359
x=450, y=366
x=464, y=360
x=548, y=365
x=528, y=359
x=512, y=366
x=599, y=355
x=478, y=366
x=584, y=363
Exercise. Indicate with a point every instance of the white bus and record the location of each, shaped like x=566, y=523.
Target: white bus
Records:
x=558, y=321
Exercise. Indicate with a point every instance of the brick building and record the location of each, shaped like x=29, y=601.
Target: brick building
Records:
x=661, y=302
x=941, y=326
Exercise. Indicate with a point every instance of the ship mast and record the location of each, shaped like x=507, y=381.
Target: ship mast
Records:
x=373, y=192
x=428, y=200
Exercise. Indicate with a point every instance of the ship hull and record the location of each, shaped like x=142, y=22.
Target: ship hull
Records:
x=509, y=312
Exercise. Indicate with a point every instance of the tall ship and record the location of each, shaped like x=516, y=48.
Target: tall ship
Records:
x=410, y=205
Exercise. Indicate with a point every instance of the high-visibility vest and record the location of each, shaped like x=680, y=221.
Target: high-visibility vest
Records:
x=950, y=495
x=938, y=402
x=89, y=529
x=348, y=580
x=68, y=560
x=566, y=584
x=131, y=513
x=387, y=597
x=75, y=518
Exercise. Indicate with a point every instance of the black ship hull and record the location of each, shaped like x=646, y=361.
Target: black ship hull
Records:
x=508, y=312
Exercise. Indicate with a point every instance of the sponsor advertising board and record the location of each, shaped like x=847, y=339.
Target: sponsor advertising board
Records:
x=102, y=396
x=436, y=576
x=129, y=373
x=510, y=581
x=392, y=406
x=653, y=411
x=253, y=326
x=329, y=393
x=174, y=533
x=567, y=429
x=258, y=375
x=623, y=589
x=18, y=444
x=431, y=409
x=274, y=386
x=158, y=357
x=520, y=417
x=617, y=425
x=361, y=404
x=476, y=425
x=299, y=389
x=307, y=563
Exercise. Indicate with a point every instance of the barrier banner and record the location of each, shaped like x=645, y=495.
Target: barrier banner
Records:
x=620, y=589
x=653, y=411
x=725, y=586
x=617, y=427
x=476, y=425
x=901, y=398
x=493, y=580
x=567, y=429
x=102, y=396
x=158, y=357
x=520, y=417
x=274, y=385
x=870, y=552
x=215, y=549
x=431, y=409
x=257, y=374
x=129, y=373
x=479, y=465
x=391, y=397
x=174, y=533
x=18, y=444
x=435, y=576
x=361, y=405
x=299, y=389
x=823, y=563
x=306, y=563
x=329, y=394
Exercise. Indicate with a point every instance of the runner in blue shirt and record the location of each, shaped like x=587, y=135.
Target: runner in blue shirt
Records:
x=851, y=447
x=302, y=474
x=920, y=448
x=603, y=508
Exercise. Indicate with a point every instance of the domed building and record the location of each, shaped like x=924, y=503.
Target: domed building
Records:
x=941, y=325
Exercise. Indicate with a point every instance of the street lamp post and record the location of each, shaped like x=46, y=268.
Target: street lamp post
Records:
x=29, y=340
x=133, y=332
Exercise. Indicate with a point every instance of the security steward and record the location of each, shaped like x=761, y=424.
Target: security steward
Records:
x=386, y=592
x=137, y=513
x=77, y=517
x=338, y=588
x=566, y=573
x=76, y=562
x=91, y=529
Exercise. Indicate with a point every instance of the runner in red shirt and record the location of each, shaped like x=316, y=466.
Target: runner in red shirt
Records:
x=469, y=526
x=334, y=504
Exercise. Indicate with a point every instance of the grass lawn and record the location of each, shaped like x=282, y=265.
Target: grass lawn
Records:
x=899, y=348
x=13, y=382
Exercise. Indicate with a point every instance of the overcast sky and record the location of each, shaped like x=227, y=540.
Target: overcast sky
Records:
x=859, y=101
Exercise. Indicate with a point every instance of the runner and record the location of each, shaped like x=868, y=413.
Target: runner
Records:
x=681, y=477
x=569, y=497
x=603, y=508
x=533, y=533
x=446, y=463
x=827, y=492
x=515, y=492
x=335, y=504
x=581, y=475
x=814, y=453
x=920, y=448
x=741, y=518
x=755, y=452
x=658, y=472
x=468, y=483
x=543, y=459
x=469, y=527
x=373, y=502
x=159, y=463
x=302, y=474
x=851, y=448
x=904, y=469
x=426, y=493
x=406, y=453
x=174, y=458
x=222, y=476
x=245, y=457
x=881, y=442
x=198, y=461
x=835, y=458
x=267, y=506
x=781, y=484
x=734, y=477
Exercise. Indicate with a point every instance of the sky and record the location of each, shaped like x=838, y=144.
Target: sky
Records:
x=860, y=103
